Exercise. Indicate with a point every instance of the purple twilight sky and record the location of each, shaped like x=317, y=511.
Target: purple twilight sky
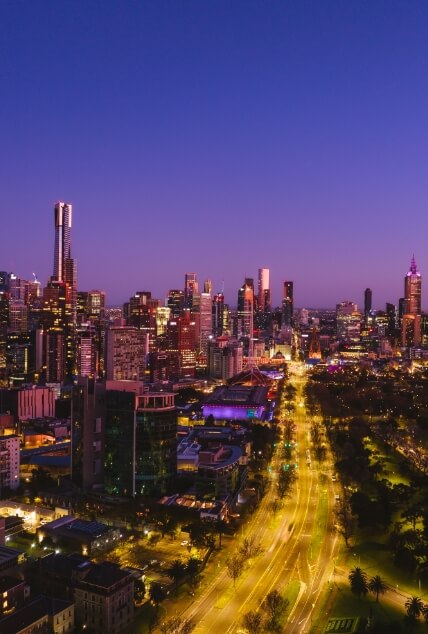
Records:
x=217, y=137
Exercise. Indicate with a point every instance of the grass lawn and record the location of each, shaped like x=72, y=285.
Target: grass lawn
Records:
x=292, y=592
x=319, y=531
x=348, y=605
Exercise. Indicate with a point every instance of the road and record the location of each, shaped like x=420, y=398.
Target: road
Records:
x=296, y=546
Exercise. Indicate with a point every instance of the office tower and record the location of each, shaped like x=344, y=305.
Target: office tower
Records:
x=163, y=315
x=96, y=303
x=126, y=354
x=142, y=314
x=263, y=287
x=367, y=304
x=58, y=327
x=245, y=309
x=140, y=442
x=411, y=321
x=205, y=321
x=191, y=288
x=208, y=287
x=391, y=312
x=217, y=314
x=224, y=358
x=288, y=305
x=348, y=322
x=181, y=338
x=87, y=433
x=175, y=301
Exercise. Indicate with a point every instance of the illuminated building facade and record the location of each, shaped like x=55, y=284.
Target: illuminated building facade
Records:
x=411, y=320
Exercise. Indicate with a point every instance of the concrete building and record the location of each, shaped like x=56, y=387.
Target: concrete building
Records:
x=126, y=353
x=28, y=402
x=225, y=358
x=9, y=463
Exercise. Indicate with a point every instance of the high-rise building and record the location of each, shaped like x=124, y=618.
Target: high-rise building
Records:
x=205, y=321
x=218, y=309
x=126, y=354
x=245, y=309
x=175, y=302
x=348, y=322
x=140, y=441
x=367, y=304
x=288, y=305
x=411, y=321
x=63, y=220
x=191, y=288
x=263, y=287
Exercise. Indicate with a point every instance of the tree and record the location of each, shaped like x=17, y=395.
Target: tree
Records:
x=157, y=594
x=377, y=586
x=221, y=526
x=193, y=567
x=176, y=572
x=275, y=605
x=344, y=521
x=235, y=567
x=252, y=622
x=177, y=625
x=414, y=607
x=358, y=581
x=250, y=547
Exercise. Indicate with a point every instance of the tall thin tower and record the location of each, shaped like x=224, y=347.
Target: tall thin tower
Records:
x=63, y=218
x=65, y=269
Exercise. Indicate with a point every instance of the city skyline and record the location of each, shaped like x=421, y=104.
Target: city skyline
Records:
x=64, y=265
x=296, y=133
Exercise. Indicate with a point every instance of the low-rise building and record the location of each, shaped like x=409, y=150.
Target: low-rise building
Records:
x=105, y=599
x=90, y=538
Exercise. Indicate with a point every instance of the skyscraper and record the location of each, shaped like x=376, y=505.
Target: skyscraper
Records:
x=263, y=286
x=411, y=322
x=63, y=219
x=367, y=305
x=287, y=305
x=191, y=288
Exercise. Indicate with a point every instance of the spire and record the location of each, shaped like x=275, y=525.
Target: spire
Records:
x=413, y=267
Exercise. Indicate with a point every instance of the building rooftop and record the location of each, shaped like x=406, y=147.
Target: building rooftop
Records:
x=23, y=617
x=238, y=395
x=106, y=575
x=7, y=583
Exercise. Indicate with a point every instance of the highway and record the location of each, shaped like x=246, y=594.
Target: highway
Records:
x=298, y=545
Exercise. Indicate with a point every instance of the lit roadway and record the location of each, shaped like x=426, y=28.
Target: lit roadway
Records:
x=289, y=550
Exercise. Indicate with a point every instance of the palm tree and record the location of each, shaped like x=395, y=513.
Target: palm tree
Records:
x=192, y=569
x=414, y=607
x=157, y=594
x=377, y=586
x=176, y=572
x=358, y=581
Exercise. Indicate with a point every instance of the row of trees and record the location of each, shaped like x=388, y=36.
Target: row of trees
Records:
x=361, y=585
x=269, y=619
x=235, y=563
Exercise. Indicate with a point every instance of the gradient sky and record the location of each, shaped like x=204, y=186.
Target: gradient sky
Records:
x=217, y=137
